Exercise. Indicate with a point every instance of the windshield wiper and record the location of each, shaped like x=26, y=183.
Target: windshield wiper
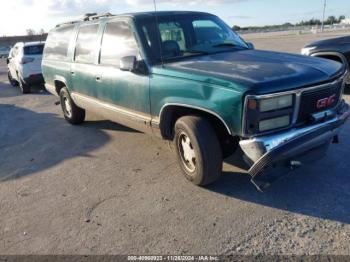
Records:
x=225, y=45
x=197, y=52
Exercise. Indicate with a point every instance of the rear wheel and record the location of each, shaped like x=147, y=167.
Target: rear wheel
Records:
x=12, y=81
x=72, y=113
x=25, y=88
x=198, y=150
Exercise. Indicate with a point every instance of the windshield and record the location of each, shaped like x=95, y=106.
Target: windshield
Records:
x=187, y=35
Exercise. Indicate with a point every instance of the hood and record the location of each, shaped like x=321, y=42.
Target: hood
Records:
x=332, y=41
x=253, y=70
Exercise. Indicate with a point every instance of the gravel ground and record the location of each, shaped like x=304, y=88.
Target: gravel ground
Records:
x=101, y=188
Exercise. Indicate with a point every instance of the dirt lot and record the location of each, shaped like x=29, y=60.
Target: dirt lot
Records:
x=101, y=188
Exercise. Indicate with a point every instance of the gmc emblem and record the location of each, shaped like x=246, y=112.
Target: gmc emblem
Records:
x=326, y=102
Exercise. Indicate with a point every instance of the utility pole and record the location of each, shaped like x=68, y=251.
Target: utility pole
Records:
x=324, y=13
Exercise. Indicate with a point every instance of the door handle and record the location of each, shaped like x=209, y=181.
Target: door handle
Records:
x=98, y=77
x=72, y=72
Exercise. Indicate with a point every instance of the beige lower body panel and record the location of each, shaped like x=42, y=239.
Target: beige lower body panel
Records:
x=131, y=119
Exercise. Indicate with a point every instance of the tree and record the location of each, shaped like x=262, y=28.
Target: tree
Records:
x=30, y=31
x=342, y=17
x=41, y=31
x=236, y=28
x=331, y=20
x=308, y=23
x=287, y=24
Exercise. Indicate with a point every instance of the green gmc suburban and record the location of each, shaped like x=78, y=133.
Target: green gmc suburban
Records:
x=188, y=78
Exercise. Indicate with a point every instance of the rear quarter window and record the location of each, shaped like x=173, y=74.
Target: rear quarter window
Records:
x=33, y=50
x=57, y=43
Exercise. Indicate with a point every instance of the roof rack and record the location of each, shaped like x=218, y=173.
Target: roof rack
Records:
x=69, y=23
x=87, y=17
x=94, y=16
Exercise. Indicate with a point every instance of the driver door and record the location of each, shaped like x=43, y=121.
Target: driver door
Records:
x=129, y=91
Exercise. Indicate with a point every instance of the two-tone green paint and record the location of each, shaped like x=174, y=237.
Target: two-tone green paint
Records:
x=215, y=83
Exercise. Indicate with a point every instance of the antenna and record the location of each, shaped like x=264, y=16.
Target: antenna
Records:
x=160, y=35
x=324, y=11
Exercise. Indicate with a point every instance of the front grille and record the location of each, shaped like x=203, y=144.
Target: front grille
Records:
x=309, y=101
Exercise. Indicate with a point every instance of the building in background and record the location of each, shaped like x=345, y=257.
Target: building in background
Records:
x=345, y=21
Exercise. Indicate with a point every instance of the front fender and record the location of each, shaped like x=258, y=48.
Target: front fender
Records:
x=224, y=103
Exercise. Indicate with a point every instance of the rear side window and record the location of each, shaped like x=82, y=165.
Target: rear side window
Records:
x=118, y=41
x=57, y=43
x=34, y=50
x=86, y=46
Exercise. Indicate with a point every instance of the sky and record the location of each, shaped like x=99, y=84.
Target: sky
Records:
x=19, y=15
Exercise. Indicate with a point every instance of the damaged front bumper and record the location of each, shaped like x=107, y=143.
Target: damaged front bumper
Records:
x=264, y=152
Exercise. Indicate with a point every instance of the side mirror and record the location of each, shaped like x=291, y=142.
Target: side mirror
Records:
x=250, y=45
x=128, y=63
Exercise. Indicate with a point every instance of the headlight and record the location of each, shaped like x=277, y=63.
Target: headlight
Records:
x=275, y=103
x=307, y=50
x=274, y=123
x=266, y=113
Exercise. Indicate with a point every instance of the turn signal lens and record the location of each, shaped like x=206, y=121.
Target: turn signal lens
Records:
x=252, y=104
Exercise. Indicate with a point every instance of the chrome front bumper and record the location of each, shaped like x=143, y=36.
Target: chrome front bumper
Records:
x=286, y=146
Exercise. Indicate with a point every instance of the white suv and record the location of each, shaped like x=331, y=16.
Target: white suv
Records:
x=24, y=65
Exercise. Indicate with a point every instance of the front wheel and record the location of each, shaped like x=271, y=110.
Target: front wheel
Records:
x=72, y=113
x=198, y=150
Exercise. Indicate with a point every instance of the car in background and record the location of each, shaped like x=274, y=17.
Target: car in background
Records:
x=4, y=51
x=24, y=65
x=337, y=49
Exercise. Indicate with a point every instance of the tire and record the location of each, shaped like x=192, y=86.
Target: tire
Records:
x=25, y=88
x=12, y=81
x=200, y=157
x=71, y=112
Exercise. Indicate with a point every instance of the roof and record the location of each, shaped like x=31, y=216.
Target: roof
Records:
x=94, y=16
x=163, y=13
x=24, y=44
x=34, y=43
